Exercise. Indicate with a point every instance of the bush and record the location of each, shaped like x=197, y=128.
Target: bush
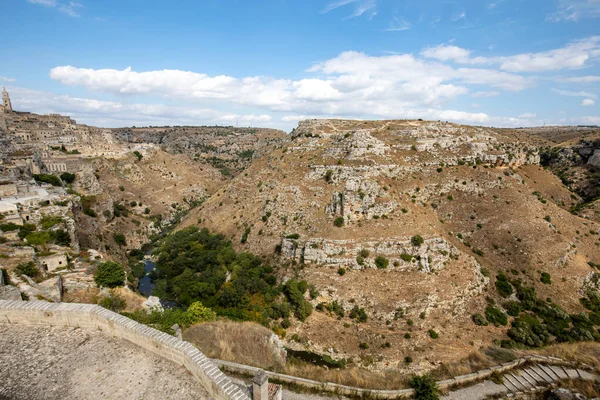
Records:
x=406, y=257
x=109, y=274
x=433, y=334
x=479, y=320
x=67, y=177
x=545, y=278
x=504, y=288
x=133, y=204
x=120, y=239
x=495, y=316
x=425, y=387
x=30, y=269
x=360, y=260
x=196, y=313
x=293, y=236
x=146, y=210
x=381, y=262
x=417, y=240
x=48, y=178
x=358, y=314
x=364, y=253
x=38, y=238
x=341, y=271
x=48, y=221
x=138, y=155
x=113, y=302
x=339, y=222
x=363, y=345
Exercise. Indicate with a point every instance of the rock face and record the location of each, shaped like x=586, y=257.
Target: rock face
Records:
x=406, y=220
x=153, y=304
x=594, y=160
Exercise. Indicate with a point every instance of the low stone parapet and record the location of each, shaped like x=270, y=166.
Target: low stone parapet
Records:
x=90, y=316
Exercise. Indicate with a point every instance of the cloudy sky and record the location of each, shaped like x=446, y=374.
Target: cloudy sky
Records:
x=273, y=62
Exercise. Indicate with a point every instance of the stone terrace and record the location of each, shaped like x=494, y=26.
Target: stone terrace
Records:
x=72, y=363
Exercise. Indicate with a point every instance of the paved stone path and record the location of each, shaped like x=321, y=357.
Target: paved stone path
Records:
x=523, y=380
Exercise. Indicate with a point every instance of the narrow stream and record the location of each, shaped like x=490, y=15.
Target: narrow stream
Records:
x=146, y=285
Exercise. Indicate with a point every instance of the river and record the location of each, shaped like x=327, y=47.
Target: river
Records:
x=146, y=285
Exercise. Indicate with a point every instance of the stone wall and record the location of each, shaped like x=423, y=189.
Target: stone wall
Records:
x=90, y=316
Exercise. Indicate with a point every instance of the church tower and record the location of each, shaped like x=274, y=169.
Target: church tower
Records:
x=6, y=101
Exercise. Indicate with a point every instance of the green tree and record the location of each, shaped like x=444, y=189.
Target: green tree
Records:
x=417, y=240
x=67, y=177
x=109, y=274
x=381, y=262
x=425, y=387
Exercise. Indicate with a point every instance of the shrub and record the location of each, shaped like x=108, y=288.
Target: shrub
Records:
x=48, y=221
x=113, y=302
x=138, y=155
x=425, y=387
x=196, y=312
x=363, y=345
x=29, y=269
x=406, y=257
x=479, y=252
x=408, y=359
x=90, y=212
x=381, y=262
x=293, y=236
x=133, y=204
x=503, y=287
x=479, y=320
x=341, y=271
x=359, y=314
x=121, y=188
x=360, y=260
x=433, y=334
x=48, y=178
x=39, y=238
x=339, y=222
x=146, y=210
x=417, y=240
x=364, y=253
x=495, y=316
x=109, y=274
x=67, y=177
x=120, y=239
x=545, y=278
x=328, y=175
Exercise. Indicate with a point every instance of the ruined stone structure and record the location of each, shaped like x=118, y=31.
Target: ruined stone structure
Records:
x=6, y=104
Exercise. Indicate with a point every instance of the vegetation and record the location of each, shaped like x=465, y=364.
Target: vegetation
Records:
x=29, y=269
x=48, y=178
x=417, y=240
x=138, y=155
x=193, y=265
x=381, y=262
x=164, y=320
x=504, y=288
x=48, y=221
x=109, y=274
x=425, y=386
x=339, y=222
x=120, y=239
x=67, y=177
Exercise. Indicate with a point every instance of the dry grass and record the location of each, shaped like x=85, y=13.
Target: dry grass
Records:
x=351, y=376
x=583, y=352
x=245, y=343
x=89, y=296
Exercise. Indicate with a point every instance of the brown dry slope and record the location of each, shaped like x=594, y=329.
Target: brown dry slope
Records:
x=477, y=197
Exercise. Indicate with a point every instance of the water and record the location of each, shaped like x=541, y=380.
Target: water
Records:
x=316, y=359
x=146, y=286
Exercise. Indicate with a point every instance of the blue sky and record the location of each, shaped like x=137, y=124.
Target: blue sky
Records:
x=274, y=62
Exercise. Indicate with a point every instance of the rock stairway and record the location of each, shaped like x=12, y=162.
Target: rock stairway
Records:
x=537, y=377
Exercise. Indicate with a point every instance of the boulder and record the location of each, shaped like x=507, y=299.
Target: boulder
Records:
x=152, y=304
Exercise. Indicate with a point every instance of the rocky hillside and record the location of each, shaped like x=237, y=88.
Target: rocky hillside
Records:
x=228, y=149
x=408, y=226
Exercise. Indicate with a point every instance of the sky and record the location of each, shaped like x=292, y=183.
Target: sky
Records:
x=271, y=63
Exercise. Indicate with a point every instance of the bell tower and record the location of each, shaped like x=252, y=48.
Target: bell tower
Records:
x=6, y=105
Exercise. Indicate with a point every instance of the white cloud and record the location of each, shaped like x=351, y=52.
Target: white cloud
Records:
x=7, y=79
x=582, y=79
x=573, y=55
x=587, y=120
x=71, y=9
x=447, y=53
x=399, y=24
x=360, y=7
x=528, y=115
x=113, y=114
x=459, y=16
x=47, y=3
x=485, y=94
x=587, y=103
x=574, y=94
x=574, y=10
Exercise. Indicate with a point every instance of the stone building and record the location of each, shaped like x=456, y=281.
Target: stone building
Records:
x=6, y=104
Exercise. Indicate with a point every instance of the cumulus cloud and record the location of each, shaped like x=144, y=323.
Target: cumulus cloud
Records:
x=573, y=55
x=587, y=103
x=485, y=94
x=114, y=113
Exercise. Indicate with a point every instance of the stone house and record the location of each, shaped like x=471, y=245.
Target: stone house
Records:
x=53, y=262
